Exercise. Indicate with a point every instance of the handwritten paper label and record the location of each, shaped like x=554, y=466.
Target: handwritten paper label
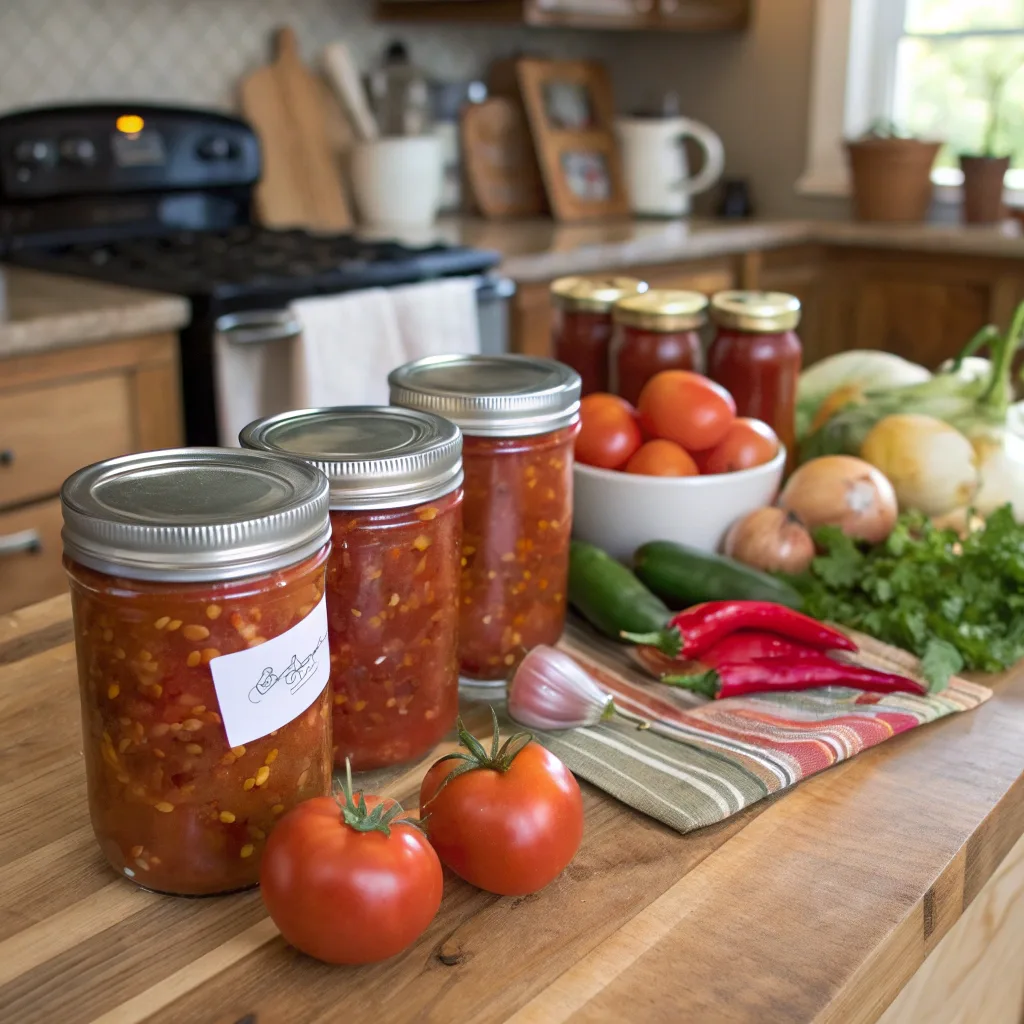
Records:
x=263, y=688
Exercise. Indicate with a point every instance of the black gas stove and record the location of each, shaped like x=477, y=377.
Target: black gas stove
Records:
x=161, y=198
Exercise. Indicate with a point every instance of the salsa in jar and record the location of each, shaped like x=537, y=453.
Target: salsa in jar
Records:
x=756, y=356
x=393, y=575
x=659, y=330
x=183, y=564
x=583, y=324
x=520, y=417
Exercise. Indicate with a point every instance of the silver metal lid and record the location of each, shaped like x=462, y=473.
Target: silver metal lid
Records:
x=190, y=514
x=491, y=396
x=373, y=456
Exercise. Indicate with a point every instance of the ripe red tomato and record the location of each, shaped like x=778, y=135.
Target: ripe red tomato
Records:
x=510, y=832
x=687, y=408
x=747, y=443
x=662, y=458
x=609, y=432
x=345, y=896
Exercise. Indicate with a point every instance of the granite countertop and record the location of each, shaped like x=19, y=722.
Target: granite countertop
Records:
x=50, y=311
x=539, y=250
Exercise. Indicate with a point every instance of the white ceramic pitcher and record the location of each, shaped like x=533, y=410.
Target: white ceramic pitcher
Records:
x=658, y=179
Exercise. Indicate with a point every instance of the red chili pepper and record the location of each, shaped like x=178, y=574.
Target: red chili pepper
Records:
x=753, y=645
x=693, y=631
x=763, y=675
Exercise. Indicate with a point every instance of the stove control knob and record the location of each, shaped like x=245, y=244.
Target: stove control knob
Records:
x=79, y=151
x=32, y=151
x=216, y=147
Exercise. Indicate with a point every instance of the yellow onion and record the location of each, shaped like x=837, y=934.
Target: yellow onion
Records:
x=843, y=491
x=771, y=539
x=932, y=467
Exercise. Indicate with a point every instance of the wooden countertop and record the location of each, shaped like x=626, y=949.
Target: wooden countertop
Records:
x=540, y=250
x=818, y=905
x=49, y=311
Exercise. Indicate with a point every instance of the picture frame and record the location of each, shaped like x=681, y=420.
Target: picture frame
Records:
x=571, y=112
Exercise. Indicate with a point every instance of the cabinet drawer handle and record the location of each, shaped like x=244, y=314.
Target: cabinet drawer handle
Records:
x=6, y=456
x=24, y=542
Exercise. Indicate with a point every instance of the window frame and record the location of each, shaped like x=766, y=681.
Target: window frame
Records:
x=852, y=83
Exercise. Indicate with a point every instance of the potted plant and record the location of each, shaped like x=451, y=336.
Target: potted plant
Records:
x=891, y=174
x=984, y=172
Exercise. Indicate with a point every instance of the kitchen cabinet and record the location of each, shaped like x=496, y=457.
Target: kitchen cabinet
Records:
x=799, y=271
x=530, y=329
x=621, y=15
x=922, y=306
x=60, y=410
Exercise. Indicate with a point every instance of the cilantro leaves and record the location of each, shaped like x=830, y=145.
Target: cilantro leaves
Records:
x=956, y=603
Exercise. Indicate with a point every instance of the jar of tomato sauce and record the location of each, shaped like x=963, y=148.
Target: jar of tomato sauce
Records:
x=658, y=330
x=393, y=574
x=756, y=356
x=197, y=586
x=583, y=323
x=520, y=417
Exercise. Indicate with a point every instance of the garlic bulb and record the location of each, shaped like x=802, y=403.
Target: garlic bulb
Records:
x=550, y=691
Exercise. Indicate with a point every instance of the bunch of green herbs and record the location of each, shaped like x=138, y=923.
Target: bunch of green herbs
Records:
x=957, y=603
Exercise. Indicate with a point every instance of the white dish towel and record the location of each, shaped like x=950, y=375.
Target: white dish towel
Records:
x=351, y=342
x=438, y=317
x=348, y=346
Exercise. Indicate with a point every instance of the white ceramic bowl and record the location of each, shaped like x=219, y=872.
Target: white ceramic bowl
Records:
x=620, y=511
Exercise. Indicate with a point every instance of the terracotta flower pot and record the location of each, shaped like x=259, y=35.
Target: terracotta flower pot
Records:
x=983, y=188
x=892, y=178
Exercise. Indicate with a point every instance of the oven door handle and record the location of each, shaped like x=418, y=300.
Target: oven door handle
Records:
x=490, y=288
x=259, y=327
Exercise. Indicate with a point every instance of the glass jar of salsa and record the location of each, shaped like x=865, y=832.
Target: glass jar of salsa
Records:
x=756, y=356
x=658, y=330
x=393, y=574
x=197, y=584
x=583, y=323
x=520, y=417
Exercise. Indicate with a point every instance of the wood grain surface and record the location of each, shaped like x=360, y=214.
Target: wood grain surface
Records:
x=816, y=906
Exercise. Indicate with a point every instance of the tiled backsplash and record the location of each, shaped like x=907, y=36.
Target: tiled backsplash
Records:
x=195, y=51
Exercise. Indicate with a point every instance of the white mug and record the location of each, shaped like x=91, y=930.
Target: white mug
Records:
x=658, y=180
x=397, y=182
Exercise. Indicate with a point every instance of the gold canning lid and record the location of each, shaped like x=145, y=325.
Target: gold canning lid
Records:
x=755, y=311
x=593, y=294
x=663, y=309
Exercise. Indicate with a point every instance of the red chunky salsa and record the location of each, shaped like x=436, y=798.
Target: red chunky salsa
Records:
x=177, y=561
x=515, y=554
x=174, y=806
x=393, y=576
x=392, y=597
x=520, y=417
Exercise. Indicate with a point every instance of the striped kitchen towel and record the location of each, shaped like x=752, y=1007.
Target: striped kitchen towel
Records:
x=702, y=761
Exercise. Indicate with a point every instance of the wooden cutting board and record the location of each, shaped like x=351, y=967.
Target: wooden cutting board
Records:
x=499, y=159
x=289, y=107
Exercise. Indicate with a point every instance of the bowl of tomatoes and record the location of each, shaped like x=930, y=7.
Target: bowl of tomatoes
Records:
x=679, y=466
